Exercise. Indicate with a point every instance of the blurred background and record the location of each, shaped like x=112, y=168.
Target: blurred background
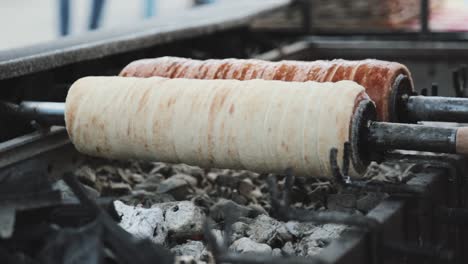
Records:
x=27, y=22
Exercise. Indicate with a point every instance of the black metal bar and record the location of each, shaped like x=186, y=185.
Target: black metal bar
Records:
x=434, y=89
x=262, y=258
x=428, y=252
x=464, y=77
x=387, y=136
x=452, y=215
x=424, y=16
x=456, y=83
x=431, y=108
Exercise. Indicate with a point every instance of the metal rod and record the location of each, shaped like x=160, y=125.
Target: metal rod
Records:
x=424, y=16
x=381, y=136
x=431, y=108
x=50, y=113
x=434, y=89
x=386, y=136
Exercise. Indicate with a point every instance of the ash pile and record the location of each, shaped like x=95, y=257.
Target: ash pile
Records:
x=119, y=212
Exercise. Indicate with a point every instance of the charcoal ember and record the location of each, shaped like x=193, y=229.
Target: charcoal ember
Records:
x=137, y=178
x=130, y=177
x=187, y=260
x=7, y=221
x=384, y=172
x=218, y=210
x=218, y=234
x=151, y=183
x=239, y=229
x=341, y=201
x=247, y=245
x=212, y=176
x=283, y=234
x=257, y=210
x=237, y=198
x=369, y=201
x=146, y=199
x=299, y=229
x=191, y=248
x=180, y=186
x=246, y=187
x=308, y=248
x=182, y=219
x=142, y=222
x=227, y=180
x=185, y=169
x=188, y=178
x=276, y=252
x=161, y=168
x=116, y=189
x=264, y=229
x=288, y=249
x=312, y=244
x=204, y=201
x=107, y=170
x=316, y=191
x=86, y=175
x=327, y=231
x=257, y=194
x=67, y=194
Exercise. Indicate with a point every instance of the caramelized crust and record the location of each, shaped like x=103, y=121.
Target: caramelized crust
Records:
x=376, y=76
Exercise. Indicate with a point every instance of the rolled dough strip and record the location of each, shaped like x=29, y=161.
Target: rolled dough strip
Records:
x=257, y=125
x=375, y=75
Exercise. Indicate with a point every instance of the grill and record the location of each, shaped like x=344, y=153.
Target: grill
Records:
x=421, y=218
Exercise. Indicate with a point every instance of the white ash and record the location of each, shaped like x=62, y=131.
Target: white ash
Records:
x=276, y=252
x=218, y=234
x=239, y=229
x=181, y=219
x=244, y=195
x=187, y=259
x=283, y=233
x=311, y=245
x=142, y=222
x=247, y=245
x=288, y=249
x=191, y=248
x=327, y=231
x=263, y=229
x=298, y=229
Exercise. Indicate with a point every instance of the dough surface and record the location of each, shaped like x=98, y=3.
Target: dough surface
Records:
x=376, y=76
x=257, y=125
